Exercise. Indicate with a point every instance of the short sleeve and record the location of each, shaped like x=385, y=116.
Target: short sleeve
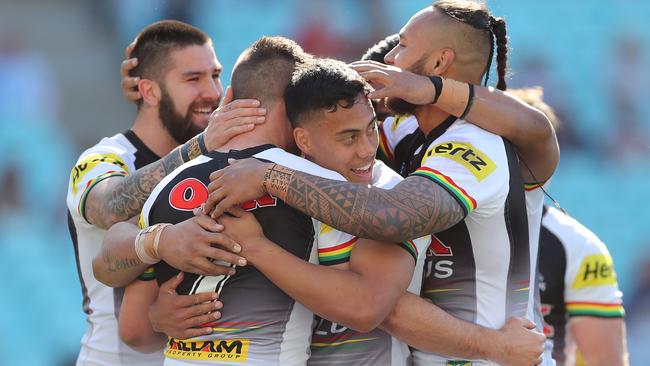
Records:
x=92, y=167
x=417, y=247
x=392, y=131
x=334, y=246
x=591, y=287
x=475, y=173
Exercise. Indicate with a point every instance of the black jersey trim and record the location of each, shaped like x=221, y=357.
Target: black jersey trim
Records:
x=552, y=266
x=416, y=160
x=143, y=155
x=516, y=221
x=75, y=245
x=240, y=154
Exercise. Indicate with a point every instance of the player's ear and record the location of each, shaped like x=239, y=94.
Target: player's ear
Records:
x=440, y=61
x=301, y=136
x=150, y=91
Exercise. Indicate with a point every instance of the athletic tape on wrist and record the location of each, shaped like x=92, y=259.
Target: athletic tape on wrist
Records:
x=140, y=246
x=156, y=240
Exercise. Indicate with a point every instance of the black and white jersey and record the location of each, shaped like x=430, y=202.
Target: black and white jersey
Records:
x=335, y=344
x=577, y=279
x=400, y=139
x=112, y=156
x=480, y=269
x=260, y=324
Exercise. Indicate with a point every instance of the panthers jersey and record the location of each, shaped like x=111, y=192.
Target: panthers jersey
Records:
x=479, y=269
x=400, y=139
x=260, y=324
x=112, y=156
x=334, y=344
x=578, y=279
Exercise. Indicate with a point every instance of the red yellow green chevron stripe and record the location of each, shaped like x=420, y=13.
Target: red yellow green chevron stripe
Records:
x=595, y=309
x=411, y=248
x=336, y=254
x=466, y=201
x=148, y=274
x=90, y=185
x=383, y=145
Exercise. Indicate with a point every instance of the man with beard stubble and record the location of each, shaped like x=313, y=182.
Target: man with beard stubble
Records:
x=179, y=81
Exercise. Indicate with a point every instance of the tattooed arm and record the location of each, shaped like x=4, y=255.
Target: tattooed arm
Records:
x=413, y=208
x=119, y=198
x=188, y=246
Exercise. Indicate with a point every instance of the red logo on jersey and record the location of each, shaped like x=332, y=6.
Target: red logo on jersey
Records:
x=264, y=201
x=439, y=249
x=188, y=194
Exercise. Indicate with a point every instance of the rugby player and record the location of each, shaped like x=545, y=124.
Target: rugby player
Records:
x=111, y=180
x=581, y=302
x=272, y=329
x=457, y=188
x=327, y=149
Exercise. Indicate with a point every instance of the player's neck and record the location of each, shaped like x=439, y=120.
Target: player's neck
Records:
x=269, y=132
x=153, y=134
x=429, y=117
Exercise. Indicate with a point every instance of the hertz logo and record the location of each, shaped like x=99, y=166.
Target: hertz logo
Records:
x=479, y=164
x=231, y=350
x=595, y=270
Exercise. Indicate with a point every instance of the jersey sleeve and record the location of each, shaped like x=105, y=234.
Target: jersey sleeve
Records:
x=473, y=171
x=591, y=287
x=392, y=131
x=94, y=166
x=334, y=246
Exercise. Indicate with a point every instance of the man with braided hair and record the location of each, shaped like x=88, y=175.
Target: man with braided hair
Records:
x=465, y=185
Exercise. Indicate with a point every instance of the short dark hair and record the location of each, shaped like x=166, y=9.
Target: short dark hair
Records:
x=322, y=85
x=379, y=50
x=264, y=69
x=156, y=42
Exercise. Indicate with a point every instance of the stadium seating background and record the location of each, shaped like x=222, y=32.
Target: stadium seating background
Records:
x=59, y=93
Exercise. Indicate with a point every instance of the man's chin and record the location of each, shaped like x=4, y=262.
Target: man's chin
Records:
x=400, y=106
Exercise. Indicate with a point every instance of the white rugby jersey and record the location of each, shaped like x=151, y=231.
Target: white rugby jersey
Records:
x=578, y=279
x=112, y=156
x=334, y=344
x=481, y=269
x=260, y=324
x=400, y=138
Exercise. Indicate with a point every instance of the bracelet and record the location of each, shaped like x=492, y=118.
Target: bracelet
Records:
x=455, y=97
x=470, y=101
x=140, y=246
x=202, y=147
x=156, y=241
x=437, y=84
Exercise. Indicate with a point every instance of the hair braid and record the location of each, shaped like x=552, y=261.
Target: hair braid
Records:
x=498, y=27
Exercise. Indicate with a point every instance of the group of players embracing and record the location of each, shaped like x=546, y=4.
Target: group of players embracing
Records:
x=384, y=212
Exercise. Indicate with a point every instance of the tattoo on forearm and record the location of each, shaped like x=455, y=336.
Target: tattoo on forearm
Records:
x=414, y=208
x=193, y=147
x=115, y=265
x=126, y=198
x=276, y=179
